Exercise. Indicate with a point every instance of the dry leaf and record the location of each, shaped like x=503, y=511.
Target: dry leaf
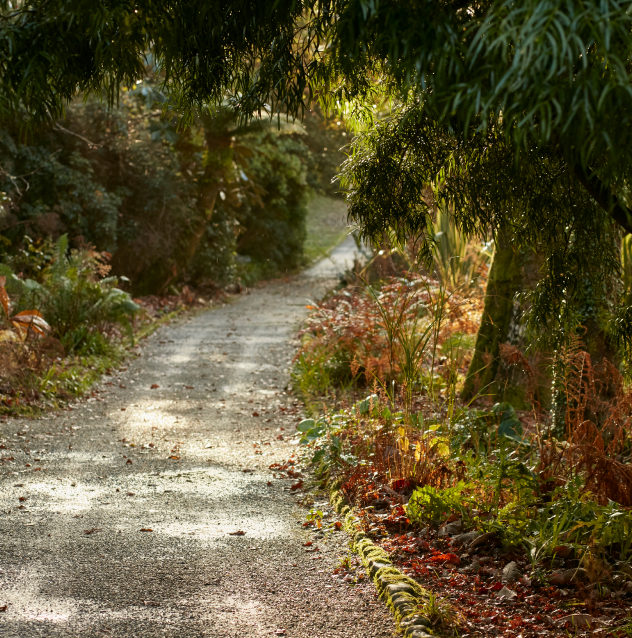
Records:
x=146, y=529
x=237, y=533
x=4, y=297
x=31, y=320
x=92, y=531
x=175, y=458
x=153, y=386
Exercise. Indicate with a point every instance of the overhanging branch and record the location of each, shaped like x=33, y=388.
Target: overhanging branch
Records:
x=604, y=197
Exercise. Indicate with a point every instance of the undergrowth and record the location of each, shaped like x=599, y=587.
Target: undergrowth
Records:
x=64, y=328
x=380, y=367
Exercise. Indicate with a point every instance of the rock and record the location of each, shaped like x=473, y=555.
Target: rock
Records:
x=465, y=539
x=474, y=568
x=451, y=529
x=564, y=551
x=483, y=539
x=506, y=594
x=397, y=588
x=375, y=566
x=511, y=573
x=567, y=577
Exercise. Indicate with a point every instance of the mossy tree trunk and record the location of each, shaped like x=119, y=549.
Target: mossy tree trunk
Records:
x=505, y=279
x=528, y=379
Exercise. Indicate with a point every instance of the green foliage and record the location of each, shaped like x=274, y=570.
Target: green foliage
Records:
x=459, y=262
x=430, y=504
x=171, y=206
x=509, y=425
x=395, y=165
x=81, y=306
x=518, y=113
x=273, y=224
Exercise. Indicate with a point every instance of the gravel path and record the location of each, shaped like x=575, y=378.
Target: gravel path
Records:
x=84, y=484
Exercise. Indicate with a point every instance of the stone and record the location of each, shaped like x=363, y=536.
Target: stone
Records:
x=403, y=607
x=567, y=577
x=506, y=594
x=483, y=539
x=511, y=573
x=455, y=527
x=397, y=588
x=375, y=566
x=465, y=539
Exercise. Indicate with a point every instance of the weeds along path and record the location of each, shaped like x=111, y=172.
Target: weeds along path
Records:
x=163, y=447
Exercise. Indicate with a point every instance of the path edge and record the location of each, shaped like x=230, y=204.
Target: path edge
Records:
x=403, y=596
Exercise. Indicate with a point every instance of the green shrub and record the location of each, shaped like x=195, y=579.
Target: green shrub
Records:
x=273, y=223
x=82, y=307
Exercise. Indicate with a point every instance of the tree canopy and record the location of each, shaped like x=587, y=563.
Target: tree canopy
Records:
x=517, y=112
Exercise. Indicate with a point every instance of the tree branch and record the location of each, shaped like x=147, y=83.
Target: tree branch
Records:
x=604, y=197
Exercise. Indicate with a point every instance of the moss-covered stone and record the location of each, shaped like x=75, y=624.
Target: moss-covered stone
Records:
x=402, y=595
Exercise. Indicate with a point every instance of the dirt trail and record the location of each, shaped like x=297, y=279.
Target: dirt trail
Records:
x=171, y=459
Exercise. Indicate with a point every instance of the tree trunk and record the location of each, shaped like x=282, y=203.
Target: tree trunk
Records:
x=504, y=281
x=499, y=368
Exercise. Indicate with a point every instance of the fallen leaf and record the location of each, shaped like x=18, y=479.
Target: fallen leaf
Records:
x=3, y=608
x=237, y=533
x=129, y=461
x=92, y=531
x=297, y=486
x=255, y=414
x=189, y=387
x=338, y=525
x=146, y=529
x=131, y=494
x=22, y=498
x=581, y=620
x=153, y=386
x=123, y=409
x=308, y=544
x=175, y=458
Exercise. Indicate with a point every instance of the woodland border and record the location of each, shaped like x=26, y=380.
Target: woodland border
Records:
x=402, y=595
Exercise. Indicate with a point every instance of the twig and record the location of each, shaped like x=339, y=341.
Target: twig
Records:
x=59, y=127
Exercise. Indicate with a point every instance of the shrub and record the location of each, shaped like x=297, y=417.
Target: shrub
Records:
x=82, y=306
x=273, y=222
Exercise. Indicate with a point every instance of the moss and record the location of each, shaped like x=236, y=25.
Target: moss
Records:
x=505, y=279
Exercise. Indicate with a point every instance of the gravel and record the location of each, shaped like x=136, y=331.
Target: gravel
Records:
x=74, y=559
